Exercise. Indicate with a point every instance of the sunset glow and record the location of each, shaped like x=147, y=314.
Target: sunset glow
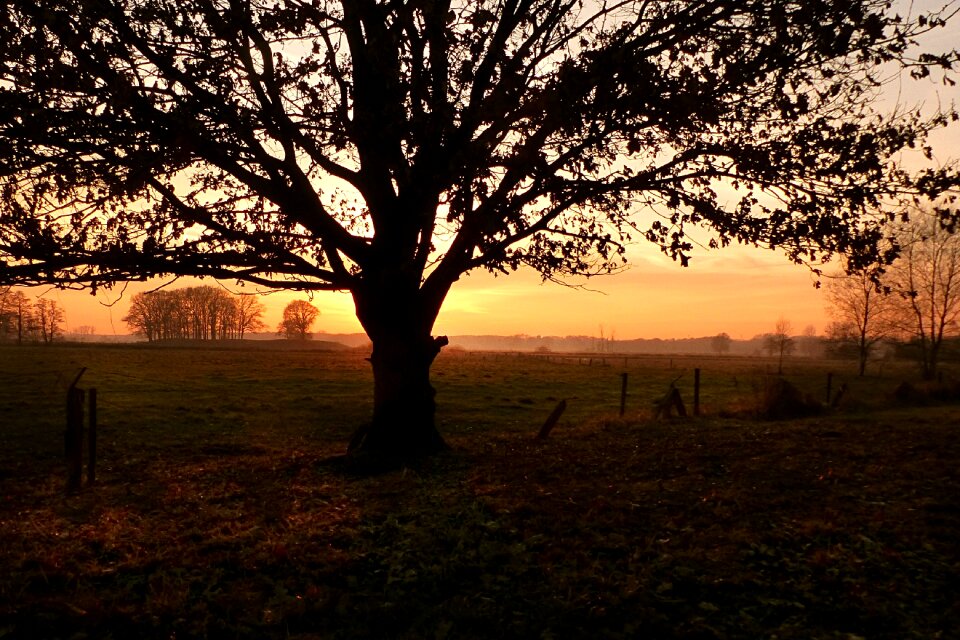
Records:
x=738, y=290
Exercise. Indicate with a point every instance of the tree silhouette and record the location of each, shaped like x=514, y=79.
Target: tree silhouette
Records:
x=386, y=148
x=49, y=317
x=780, y=343
x=927, y=278
x=16, y=315
x=298, y=317
x=720, y=343
x=249, y=312
x=193, y=313
x=863, y=314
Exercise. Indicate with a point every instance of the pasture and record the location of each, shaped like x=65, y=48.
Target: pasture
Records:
x=221, y=508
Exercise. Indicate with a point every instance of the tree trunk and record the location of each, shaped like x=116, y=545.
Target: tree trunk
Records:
x=930, y=358
x=864, y=354
x=403, y=427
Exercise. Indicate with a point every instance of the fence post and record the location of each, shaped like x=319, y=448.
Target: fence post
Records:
x=623, y=394
x=74, y=438
x=92, y=439
x=552, y=420
x=696, y=392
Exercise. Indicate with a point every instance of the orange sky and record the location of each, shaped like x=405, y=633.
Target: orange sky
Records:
x=741, y=291
x=738, y=290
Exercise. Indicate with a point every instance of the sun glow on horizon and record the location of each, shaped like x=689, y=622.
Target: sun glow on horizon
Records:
x=738, y=290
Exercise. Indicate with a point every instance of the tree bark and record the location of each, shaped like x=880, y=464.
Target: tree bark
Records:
x=403, y=426
x=864, y=354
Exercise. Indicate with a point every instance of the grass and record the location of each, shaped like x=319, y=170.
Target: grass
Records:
x=220, y=510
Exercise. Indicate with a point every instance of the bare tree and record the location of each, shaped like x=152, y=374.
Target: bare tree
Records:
x=156, y=315
x=605, y=344
x=49, y=317
x=16, y=315
x=809, y=343
x=927, y=277
x=7, y=315
x=84, y=331
x=387, y=148
x=863, y=314
x=780, y=343
x=298, y=317
x=249, y=314
x=193, y=313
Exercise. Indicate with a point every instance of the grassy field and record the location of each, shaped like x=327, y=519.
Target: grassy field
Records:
x=222, y=509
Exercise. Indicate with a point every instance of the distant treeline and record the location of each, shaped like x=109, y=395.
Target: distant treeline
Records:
x=811, y=346
x=194, y=313
x=589, y=344
x=23, y=321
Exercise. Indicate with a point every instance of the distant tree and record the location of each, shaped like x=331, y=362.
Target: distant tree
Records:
x=155, y=315
x=720, y=343
x=202, y=306
x=298, y=317
x=387, y=148
x=193, y=313
x=249, y=314
x=223, y=317
x=863, y=315
x=6, y=313
x=16, y=315
x=780, y=343
x=49, y=318
x=927, y=278
x=84, y=331
x=809, y=343
x=605, y=344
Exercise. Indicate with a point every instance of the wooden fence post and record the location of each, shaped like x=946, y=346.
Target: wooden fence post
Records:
x=92, y=439
x=73, y=438
x=552, y=420
x=696, y=392
x=623, y=394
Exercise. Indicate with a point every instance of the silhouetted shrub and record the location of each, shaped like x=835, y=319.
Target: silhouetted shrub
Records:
x=781, y=400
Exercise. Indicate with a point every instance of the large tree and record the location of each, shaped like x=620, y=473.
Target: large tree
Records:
x=927, y=278
x=862, y=311
x=387, y=147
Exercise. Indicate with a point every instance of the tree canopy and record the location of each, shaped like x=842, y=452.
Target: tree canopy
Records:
x=388, y=147
x=304, y=145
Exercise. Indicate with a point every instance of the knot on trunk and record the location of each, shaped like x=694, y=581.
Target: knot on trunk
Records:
x=437, y=344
